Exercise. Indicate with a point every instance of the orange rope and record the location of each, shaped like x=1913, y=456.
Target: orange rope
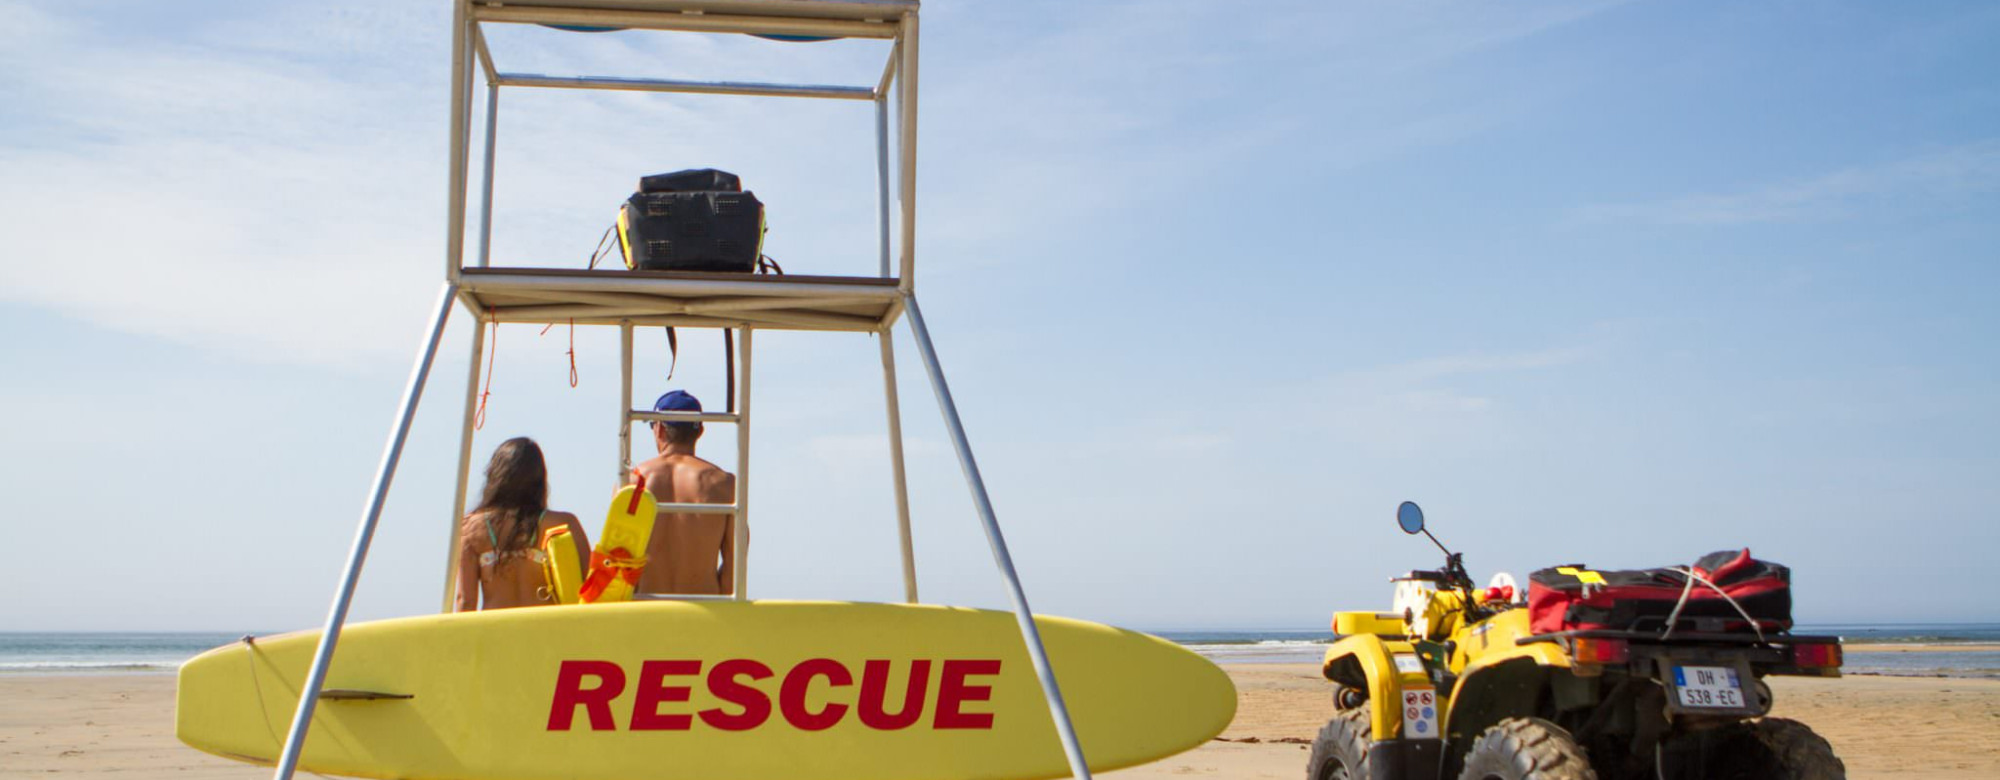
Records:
x=492, y=346
x=572, y=348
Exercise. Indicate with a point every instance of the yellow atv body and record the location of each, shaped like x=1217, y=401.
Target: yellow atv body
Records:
x=1454, y=684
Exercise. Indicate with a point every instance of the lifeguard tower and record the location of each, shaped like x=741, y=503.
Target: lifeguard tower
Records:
x=743, y=303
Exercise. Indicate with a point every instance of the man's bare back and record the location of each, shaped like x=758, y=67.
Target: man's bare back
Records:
x=684, y=552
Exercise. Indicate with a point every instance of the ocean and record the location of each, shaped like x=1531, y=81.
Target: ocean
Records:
x=116, y=653
x=93, y=652
x=1979, y=660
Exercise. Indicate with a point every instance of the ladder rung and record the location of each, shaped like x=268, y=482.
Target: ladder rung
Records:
x=699, y=509
x=638, y=415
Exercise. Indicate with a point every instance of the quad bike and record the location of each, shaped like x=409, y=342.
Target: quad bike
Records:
x=1454, y=683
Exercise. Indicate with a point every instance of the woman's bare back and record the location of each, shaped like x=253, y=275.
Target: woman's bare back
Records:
x=489, y=579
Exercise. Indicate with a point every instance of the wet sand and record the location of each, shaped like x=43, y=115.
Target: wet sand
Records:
x=121, y=726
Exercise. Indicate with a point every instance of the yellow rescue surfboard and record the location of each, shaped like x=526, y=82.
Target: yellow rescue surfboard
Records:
x=620, y=555
x=706, y=690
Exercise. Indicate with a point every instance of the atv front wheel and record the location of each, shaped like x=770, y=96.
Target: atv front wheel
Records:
x=1526, y=749
x=1341, y=750
x=1772, y=749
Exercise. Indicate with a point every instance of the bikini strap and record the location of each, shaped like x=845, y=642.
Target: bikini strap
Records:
x=495, y=540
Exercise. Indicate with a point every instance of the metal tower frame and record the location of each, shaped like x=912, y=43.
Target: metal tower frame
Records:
x=744, y=303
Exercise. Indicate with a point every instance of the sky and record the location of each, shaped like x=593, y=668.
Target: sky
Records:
x=1216, y=286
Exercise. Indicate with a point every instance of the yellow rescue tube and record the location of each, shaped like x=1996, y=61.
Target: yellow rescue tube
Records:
x=562, y=574
x=620, y=556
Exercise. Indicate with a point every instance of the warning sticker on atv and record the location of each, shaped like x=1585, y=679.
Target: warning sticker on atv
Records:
x=1420, y=714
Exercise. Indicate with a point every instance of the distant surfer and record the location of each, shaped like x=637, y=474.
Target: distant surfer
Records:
x=499, y=562
x=688, y=553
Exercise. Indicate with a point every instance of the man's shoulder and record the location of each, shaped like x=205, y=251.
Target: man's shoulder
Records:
x=679, y=462
x=714, y=476
x=707, y=468
x=656, y=469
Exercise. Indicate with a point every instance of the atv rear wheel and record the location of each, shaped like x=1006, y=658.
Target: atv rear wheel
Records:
x=1771, y=749
x=1340, y=752
x=1526, y=749
x=1347, y=697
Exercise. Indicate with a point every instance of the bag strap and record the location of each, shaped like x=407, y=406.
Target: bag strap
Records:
x=728, y=361
x=597, y=253
x=673, y=352
x=765, y=265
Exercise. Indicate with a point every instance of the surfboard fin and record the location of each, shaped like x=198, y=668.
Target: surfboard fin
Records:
x=346, y=694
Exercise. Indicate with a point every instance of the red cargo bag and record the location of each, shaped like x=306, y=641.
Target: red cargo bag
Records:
x=1570, y=598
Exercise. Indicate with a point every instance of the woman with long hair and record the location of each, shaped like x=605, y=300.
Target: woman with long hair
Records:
x=500, y=556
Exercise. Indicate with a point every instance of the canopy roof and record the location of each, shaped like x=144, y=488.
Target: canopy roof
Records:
x=783, y=19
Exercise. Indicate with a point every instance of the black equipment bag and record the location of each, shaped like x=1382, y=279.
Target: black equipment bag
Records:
x=692, y=230
x=694, y=220
x=691, y=180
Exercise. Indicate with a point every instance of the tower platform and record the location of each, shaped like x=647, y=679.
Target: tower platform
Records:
x=684, y=299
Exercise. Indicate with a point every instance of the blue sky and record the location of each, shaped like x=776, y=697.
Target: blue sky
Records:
x=1217, y=285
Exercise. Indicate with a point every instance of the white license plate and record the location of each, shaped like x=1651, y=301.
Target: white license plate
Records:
x=1714, y=687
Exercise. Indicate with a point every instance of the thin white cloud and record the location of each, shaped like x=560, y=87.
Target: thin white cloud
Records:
x=211, y=195
x=1955, y=172
x=1427, y=405
x=1427, y=369
x=274, y=190
x=275, y=181
x=1135, y=100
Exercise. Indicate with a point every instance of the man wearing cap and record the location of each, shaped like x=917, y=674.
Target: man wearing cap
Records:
x=688, y=553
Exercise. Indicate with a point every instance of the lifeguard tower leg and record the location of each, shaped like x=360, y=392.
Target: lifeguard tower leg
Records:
x=740, y=552
x=906, y=104
x=896, y=467
x=309, y=695
x=486, y=196
x=1036, y=653
x=624, y=404
x=464, y=477
x=882, y=172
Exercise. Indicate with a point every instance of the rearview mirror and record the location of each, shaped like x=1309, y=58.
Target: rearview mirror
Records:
x=1410, y=517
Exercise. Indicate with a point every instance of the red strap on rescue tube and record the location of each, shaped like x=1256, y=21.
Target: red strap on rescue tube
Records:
x=619, y=564
x=640, y=483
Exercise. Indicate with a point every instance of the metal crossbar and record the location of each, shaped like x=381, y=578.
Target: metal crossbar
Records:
x=641, y=415
x=690, y=87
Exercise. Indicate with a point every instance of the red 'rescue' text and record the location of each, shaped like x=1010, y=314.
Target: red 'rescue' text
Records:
x=813, y=695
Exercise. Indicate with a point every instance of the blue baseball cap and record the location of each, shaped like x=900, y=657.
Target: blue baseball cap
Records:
x=677, y=401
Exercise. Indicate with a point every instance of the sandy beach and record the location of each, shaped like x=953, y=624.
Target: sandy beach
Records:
x=121, y=726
